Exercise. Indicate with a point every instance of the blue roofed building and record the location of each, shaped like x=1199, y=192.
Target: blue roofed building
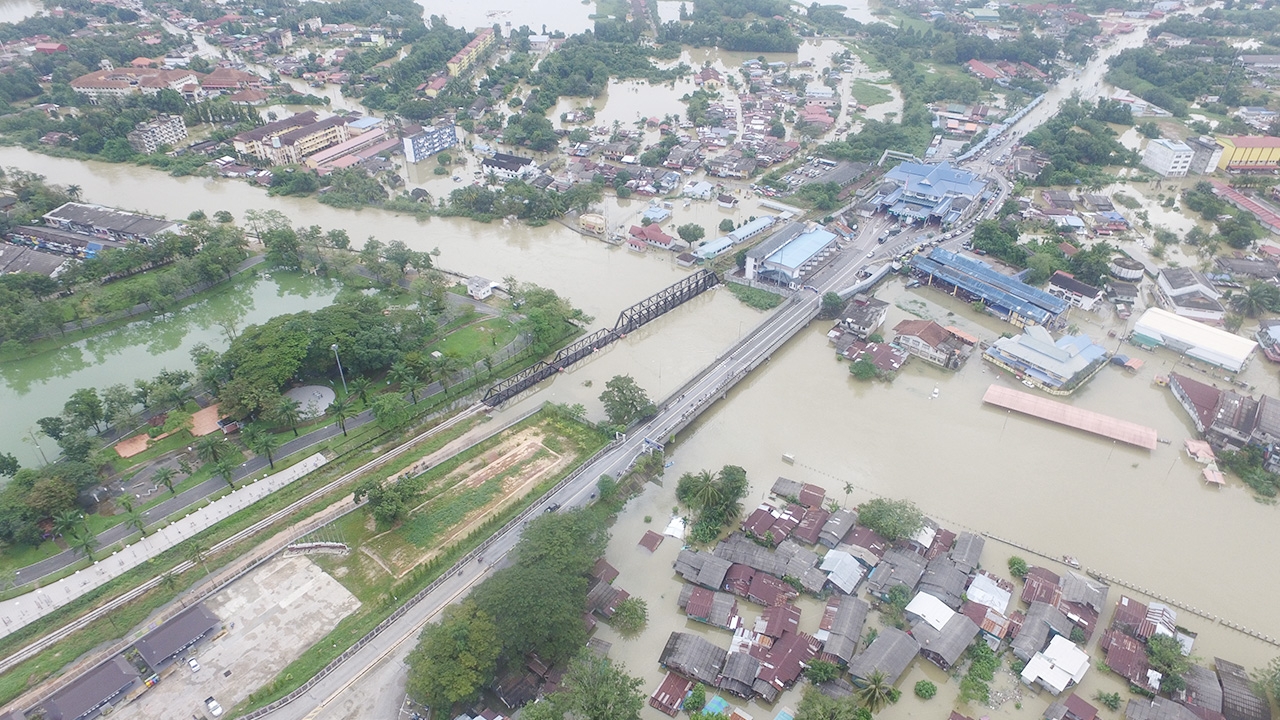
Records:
x=928, y=193
x=712, y=248
x=971, y=279
x=791, y=254
x=1059, y=367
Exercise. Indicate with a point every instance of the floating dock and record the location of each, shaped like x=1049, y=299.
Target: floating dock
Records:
x=1074, y=417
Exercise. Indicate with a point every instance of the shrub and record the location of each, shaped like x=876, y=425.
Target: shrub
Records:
x=1018, y=567
x=925, y=690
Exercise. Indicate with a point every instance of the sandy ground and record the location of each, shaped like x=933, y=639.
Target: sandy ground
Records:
x=270, y=618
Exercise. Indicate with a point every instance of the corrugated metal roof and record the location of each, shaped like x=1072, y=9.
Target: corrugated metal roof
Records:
x=1074, y=417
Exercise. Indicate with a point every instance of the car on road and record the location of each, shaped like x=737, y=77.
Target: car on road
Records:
x=552, y=508
x=214, y=708
x=195, y=666
x=871, y=254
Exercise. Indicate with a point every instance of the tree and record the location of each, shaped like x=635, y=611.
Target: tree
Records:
x=9, y=465
x=341, y=411
x=698, y=490
x=83, y=541
x=66, y=521
x=1017, y=567
x=815, y=705
x=726, y=225
x=134, y=517
x=832, y=304
x=1165, y=654
x=925, y=690
x=360, y=387
x=84, y=409
x=391, y=412
x=625, y=401
x=225, y=468
x=1257, y=298
x=1268, y=678
x=697, y=698
x=211, y=448
x=164, y=476
x=876, y=693
x=630, y=616
x=286, y=411
x=691, y=232
x=821, y=671
x=407, y=378
x=596, y=688
x=455, y=658
x=196, y=552
x=261, y=441
x=892, y=519
x=863, y=369
x=386, y=501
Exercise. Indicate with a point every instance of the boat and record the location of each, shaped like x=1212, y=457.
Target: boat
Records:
x=935, y=393
x=1071, y=561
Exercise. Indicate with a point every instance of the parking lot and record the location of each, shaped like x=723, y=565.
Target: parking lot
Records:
x=270, y=618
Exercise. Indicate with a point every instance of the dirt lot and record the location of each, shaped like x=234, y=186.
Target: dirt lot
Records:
x=278, y=612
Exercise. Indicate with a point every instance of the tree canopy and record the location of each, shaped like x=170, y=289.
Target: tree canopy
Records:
x=892, y=519
x=625, y=401
x=455, y=658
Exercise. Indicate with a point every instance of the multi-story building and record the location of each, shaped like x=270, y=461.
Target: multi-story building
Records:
x=150, y=136
x=930, y=192
x=288, y=141
x=1249, y=152
x=1206, y=154
x=1168, y=158
x=107, y=223
x=429, y=142
x=122, y=82
x=1186, y=292
x=508, y=167
x=468, y=55
x=257, y=141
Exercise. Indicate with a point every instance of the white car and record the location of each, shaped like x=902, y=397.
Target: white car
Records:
x=195, y=666
x=214, y=708
x=871, y=254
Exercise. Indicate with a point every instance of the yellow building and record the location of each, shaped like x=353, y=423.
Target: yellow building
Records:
x=1249, y=152
x=472, y=52
x=593, y=223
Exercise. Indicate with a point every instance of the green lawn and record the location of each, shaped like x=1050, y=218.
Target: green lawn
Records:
x=755, y=297
x=868, y=93
x=485, y=337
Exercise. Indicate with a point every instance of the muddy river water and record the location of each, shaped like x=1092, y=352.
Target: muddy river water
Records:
x=1133, y=514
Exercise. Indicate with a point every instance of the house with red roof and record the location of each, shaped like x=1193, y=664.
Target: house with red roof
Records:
x=652, y=235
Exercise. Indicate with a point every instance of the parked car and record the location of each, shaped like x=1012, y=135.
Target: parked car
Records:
x=195, y=666
x=214, y=708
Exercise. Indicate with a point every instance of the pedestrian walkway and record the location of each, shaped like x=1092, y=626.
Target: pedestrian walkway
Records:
x=28, y=608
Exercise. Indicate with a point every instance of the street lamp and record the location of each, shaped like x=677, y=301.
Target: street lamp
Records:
x=334, y=348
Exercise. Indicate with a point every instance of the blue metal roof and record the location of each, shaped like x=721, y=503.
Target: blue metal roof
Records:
x=801, y=248
x=936, y=181
x=981, y=280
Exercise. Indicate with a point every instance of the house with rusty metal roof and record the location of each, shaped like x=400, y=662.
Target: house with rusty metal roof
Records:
x=890, y=653
x=708, y=606
x=782, y=663
x=693, y=656
x=768, y=590
x=1141, y=621
x=1042, y=622
x=1073, y=707
x=806, y=494
x=669, y=697
x=1239, y=701
x=1127, y=657
x=841, y=634
x=1082, y=601
x=810, y=528
x=1041, y=585
x=991, y=622
x=838, y=525
x=778, y=620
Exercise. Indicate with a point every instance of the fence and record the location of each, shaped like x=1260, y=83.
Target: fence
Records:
x=400, y=612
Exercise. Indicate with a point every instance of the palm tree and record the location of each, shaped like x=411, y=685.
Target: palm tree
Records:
x=287, y=412
x=262, y=441
x=164, y=476
x=445, y=367
x=211, y=448
x=875, y=694
x=404, y=376
x=360, y=387
x=66, y=521
x=84, y=541
x=195, y=552
x=73, y=192
x=226, y=468
x=1256, y=298
x=848, y=488
x=134, y=517
x=706, y=491
x=341, y=410
x=169, y=581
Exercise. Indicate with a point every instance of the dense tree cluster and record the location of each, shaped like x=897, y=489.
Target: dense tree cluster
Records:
x=625, y=401
x=892, y=519
x=534, y=605
x=1079, y=147
x=583, y=65
x=548, y=318
x=520, y=200
x=736, y=25
x=1043, y=257
x=1175, y=77
x=715, y=500
x=1237, y=229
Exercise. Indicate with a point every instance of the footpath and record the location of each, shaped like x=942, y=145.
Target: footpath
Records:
x=25, y=609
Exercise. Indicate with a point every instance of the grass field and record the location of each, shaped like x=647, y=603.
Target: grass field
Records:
x=755, y=297
x=483, y=337
x=869, y=93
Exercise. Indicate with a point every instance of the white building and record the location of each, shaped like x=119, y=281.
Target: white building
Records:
x=1196, y=340
x=1058, y=667
x=790, y=255
x=150, y=136
x=508, y=167
x=1188, y=293
x=479, y=287
x=429, y=142
x=1168, y=158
